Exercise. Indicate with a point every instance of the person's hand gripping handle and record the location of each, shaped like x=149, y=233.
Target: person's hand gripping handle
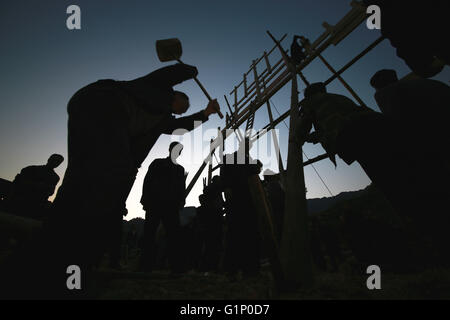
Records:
x=215, y=105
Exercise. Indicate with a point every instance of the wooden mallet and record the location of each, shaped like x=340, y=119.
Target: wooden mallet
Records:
x=171, y=50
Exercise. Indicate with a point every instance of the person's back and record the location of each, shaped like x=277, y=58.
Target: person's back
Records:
x=418, y=110
x=242, y=239
x=164, y=184
x=331, y=115
x=35, y=183
x=416, y=99
x=32, y=187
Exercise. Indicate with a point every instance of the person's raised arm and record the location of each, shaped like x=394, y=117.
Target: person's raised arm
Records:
x=188, y=122
x=172, y=75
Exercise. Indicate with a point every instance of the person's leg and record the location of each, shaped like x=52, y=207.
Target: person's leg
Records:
x=149, y=250
x=171, y=221
x=115, y=242
x=231, y=248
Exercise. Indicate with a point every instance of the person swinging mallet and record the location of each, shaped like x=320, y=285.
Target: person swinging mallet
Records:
x=171, y=50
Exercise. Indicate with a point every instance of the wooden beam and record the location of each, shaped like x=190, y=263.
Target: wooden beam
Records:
x=344, y=83
x=322, y=43
x=316, y=159
x=355, y=59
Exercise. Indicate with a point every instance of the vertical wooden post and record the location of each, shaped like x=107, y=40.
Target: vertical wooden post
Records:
x=294, y=250
x=255, y=74
x=229, y=107
x=245, y=84
x=235, y=99
x=211, y=151
x=266, y=57
x=234, y=114
x=222, y=144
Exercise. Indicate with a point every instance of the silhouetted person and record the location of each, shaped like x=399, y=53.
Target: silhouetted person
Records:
x=112, y=126
x=242, y=251
x=115, y=242
x=297, y=51
x=354, y=133
x=163, y=197
x=210, y=216
x=360, y=134
x=419, y=108
x=276, y=197
x=419, y=111
x=32, y=187
x=131, y=243
x=335, y=118
x=417, y=30
x=409, y=100
x=379, y=81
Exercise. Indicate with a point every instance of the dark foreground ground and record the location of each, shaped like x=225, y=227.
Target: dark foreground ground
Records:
x=430, y=284
x=348, y=283
x=342, y=285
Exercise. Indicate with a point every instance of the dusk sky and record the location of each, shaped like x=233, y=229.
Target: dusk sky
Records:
x=43, y=64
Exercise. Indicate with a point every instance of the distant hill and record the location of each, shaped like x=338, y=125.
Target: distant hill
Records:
x=317, y=205
x=5, y=186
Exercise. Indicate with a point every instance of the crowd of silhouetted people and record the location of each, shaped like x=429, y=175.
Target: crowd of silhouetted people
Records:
x=113, y=125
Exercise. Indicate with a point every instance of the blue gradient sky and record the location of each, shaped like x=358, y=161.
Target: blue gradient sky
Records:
x=43, y=64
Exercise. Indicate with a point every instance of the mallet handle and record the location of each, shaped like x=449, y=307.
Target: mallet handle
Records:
x=204, y=91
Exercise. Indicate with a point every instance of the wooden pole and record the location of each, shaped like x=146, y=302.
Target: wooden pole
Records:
x=344, y=83
x=295, y=253
x=269, y=68
x=355, y=59
x=211, y=151
x=245, y=84
x=319, y=46
x=234, y=114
